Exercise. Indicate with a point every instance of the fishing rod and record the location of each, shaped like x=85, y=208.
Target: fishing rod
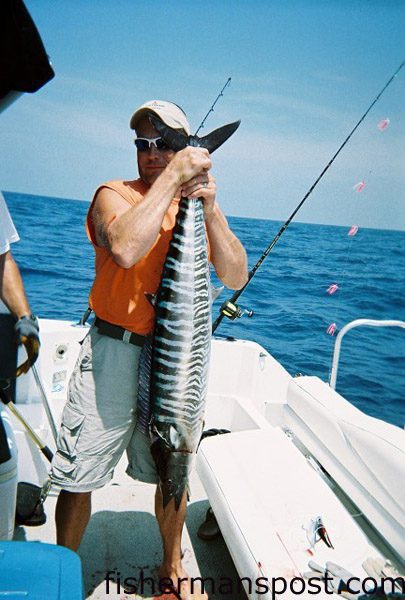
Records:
x=221, y=93
x=229, y=308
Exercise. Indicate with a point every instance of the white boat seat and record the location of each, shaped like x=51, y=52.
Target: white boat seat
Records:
x=367, y=450
x=263, y=493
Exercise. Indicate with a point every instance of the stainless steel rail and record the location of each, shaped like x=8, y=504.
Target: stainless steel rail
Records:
x=45, y=402
x=344, y=330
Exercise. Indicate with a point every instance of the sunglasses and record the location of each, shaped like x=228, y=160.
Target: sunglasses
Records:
x=144, y=144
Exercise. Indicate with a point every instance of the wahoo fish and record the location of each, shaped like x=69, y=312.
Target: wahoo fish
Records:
x=173, y=370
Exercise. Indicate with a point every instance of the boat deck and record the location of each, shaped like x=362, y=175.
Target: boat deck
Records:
x=251, y=395
x=123, y=537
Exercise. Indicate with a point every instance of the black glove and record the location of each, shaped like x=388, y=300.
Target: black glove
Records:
x=27, y=333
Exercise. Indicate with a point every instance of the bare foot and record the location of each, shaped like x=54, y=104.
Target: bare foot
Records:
x=178, y=585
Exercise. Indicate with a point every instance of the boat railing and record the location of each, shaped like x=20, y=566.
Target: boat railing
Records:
x=345, y=329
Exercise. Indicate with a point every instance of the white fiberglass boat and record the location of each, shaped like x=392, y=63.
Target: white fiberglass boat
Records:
x=303, y=475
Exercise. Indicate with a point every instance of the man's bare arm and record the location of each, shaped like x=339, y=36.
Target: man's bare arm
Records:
x=227, y=253
x=128, y=233
x=11, y=286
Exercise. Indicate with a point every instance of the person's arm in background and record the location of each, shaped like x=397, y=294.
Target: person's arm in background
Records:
x=13, y=295
x=11, y=287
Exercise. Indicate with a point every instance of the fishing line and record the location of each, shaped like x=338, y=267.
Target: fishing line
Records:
x=337, y=312
x=362, y=264
x=342, y=278
x=228, y=308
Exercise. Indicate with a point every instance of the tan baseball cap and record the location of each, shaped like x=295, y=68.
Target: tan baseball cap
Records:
x=170, y=113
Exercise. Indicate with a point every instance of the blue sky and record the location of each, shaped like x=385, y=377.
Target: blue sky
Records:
x=303, y=72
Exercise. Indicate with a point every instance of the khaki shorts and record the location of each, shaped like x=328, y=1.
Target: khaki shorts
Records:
x=98, y=421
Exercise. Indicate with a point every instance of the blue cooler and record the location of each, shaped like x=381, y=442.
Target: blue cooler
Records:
x=37, y=571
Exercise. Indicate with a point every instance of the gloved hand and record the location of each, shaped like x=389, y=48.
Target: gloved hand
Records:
x=381, y=569
x=335, y=578
x=27, y=333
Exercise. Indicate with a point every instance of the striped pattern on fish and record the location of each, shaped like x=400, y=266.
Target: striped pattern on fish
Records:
x=174, y=361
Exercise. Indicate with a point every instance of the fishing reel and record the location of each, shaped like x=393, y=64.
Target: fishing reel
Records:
x=234, y=311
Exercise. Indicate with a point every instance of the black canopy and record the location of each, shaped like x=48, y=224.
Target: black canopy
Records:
x=24, y=64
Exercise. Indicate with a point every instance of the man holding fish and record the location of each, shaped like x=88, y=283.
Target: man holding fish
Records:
x=151, y=274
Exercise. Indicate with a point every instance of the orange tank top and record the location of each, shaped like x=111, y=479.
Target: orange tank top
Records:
x=118, y=294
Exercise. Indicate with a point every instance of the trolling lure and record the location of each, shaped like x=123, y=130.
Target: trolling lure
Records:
x=353, y=230
x=383, y=124
x=332, y=289
x=316, y=531
x=359, y=187
x=331, y=330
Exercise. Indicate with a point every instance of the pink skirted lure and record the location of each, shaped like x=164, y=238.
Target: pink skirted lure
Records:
x=383, y=124
x=353, y=230
x=331, y=330
x=332, y=289
x=359, y=187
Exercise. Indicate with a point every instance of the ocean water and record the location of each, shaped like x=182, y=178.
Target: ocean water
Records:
x=292, y=309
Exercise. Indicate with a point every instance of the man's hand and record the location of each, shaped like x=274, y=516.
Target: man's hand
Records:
x=190, y=163
x=202, y=186
x=27, y=333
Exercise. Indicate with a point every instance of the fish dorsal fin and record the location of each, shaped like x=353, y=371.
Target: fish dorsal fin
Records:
x=177, y=140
